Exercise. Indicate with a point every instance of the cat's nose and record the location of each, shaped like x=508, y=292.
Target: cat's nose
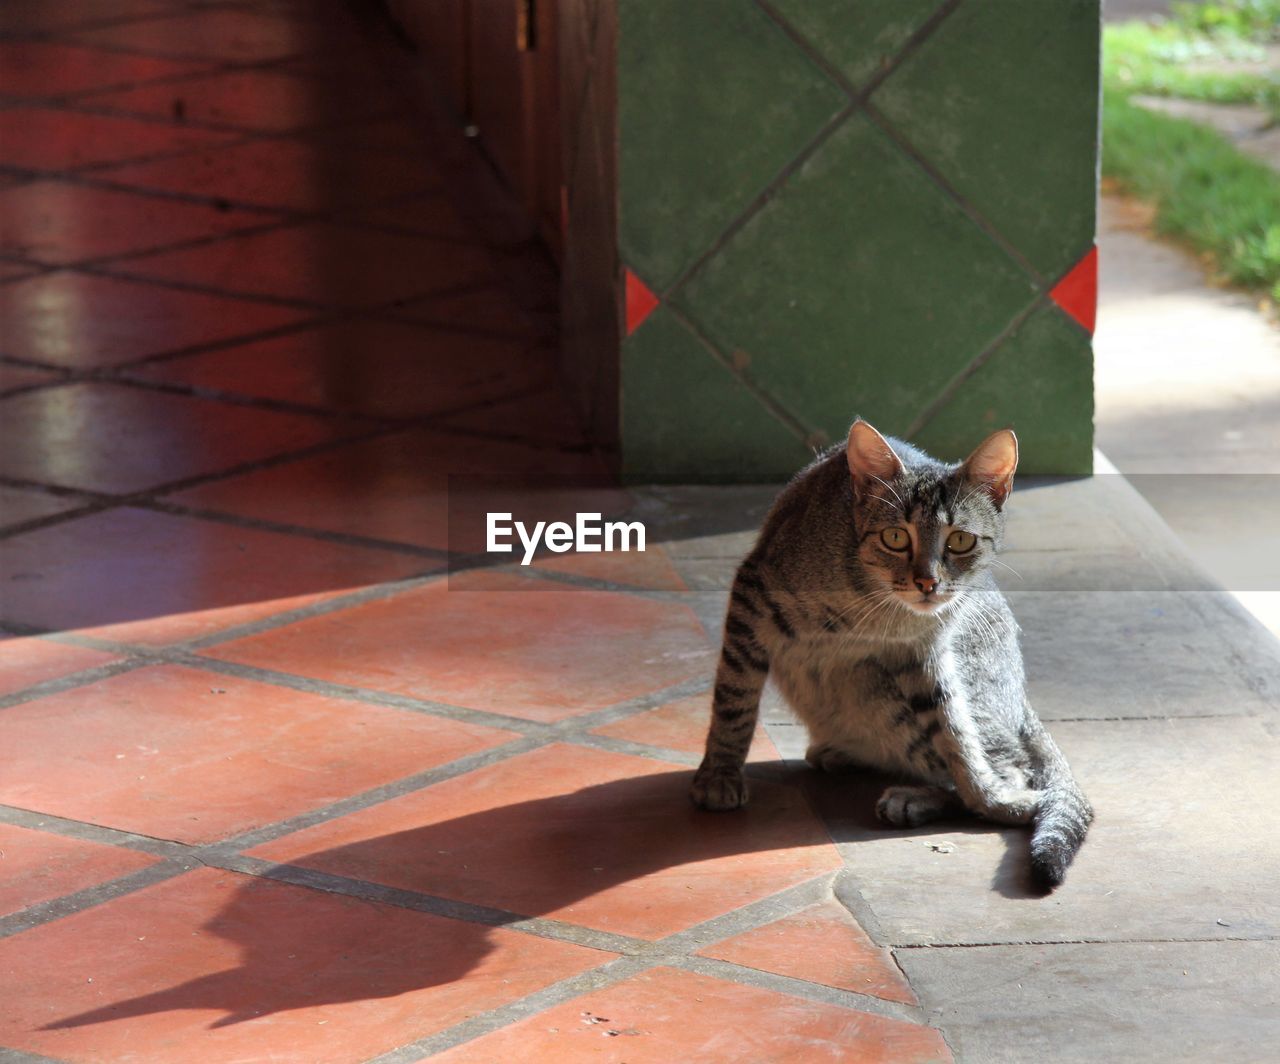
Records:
x=926, y=583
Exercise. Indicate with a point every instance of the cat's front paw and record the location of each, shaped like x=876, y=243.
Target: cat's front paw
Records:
x=719, y=788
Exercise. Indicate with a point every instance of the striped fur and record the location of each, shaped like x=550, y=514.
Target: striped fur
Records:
x=901, y=660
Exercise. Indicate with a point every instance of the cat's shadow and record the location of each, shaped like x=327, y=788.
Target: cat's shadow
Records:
x=575, y=856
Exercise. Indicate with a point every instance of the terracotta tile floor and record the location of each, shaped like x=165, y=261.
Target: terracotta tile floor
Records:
x=275, y=785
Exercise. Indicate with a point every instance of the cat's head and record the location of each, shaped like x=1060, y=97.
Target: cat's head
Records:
x=927, y=531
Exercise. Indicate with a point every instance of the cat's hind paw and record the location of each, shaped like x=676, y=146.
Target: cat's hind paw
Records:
x=719, y=788
x=909, y=807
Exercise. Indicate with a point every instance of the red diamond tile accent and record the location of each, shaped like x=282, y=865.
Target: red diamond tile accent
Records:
x=640, y=301
x=1077, y=292
x=604, y=840
x=219, y=968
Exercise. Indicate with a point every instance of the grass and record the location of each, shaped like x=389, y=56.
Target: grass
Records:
x=1158, y=60
x=1206, y=192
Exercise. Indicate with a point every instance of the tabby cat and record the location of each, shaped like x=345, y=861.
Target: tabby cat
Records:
x=869, y=598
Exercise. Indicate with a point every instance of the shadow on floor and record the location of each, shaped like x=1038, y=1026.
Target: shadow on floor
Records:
x=628, y=856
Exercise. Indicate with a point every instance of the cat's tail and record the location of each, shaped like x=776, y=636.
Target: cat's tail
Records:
x=1062, y=818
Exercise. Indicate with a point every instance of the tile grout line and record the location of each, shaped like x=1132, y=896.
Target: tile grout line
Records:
x=953, y=386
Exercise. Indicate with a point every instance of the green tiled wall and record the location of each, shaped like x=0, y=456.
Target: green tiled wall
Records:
x=853, y=207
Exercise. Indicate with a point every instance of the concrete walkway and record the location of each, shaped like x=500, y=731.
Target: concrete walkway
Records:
x=1163, y=693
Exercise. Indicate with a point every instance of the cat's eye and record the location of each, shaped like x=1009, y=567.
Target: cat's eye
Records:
x=895, y=538
x=961, y=542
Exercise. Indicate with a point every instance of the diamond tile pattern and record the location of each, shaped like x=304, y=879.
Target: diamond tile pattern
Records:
x=274, y=783
x=880, y=263
x=1035, y=182
x=858, y=253
x=686, y=167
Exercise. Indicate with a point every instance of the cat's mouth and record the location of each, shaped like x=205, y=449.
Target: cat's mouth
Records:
x=926, y=604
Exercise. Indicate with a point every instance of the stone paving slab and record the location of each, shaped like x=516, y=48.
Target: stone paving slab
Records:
x=1183, y=846
x=1172, y=1002
x=1107, y=654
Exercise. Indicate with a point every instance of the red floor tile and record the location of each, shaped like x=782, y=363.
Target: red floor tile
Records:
x=12, y=376
x=398, y=488
x=18, y=505
x=322, y=264
x=681, y=725
x=76, y=319
x=264, y=100
x=300, y=175
x=27, y=661
x=215, y=34
x=432, y=215
x=402, y=137
x=599, y=839
x=39, y=867
x=375, y=367
x=195, y=756
x=217, y=967
x=650, y=569
x=494, y=642
x=543, y=415
x=47, y=139
x=40, y=15
x=153, y=578
x=49, y=68
x=10, y=271
x=60, y=224
x=820, y=944
x=490, y=309
x=666, y=1015
x=107, y=437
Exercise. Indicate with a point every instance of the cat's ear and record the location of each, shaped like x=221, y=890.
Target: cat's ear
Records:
x=991, y=465
x=870, y=457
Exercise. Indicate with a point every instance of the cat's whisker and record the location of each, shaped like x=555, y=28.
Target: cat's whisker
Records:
x=1009, y=567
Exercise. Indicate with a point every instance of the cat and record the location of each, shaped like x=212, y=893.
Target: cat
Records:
x=869, y=597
